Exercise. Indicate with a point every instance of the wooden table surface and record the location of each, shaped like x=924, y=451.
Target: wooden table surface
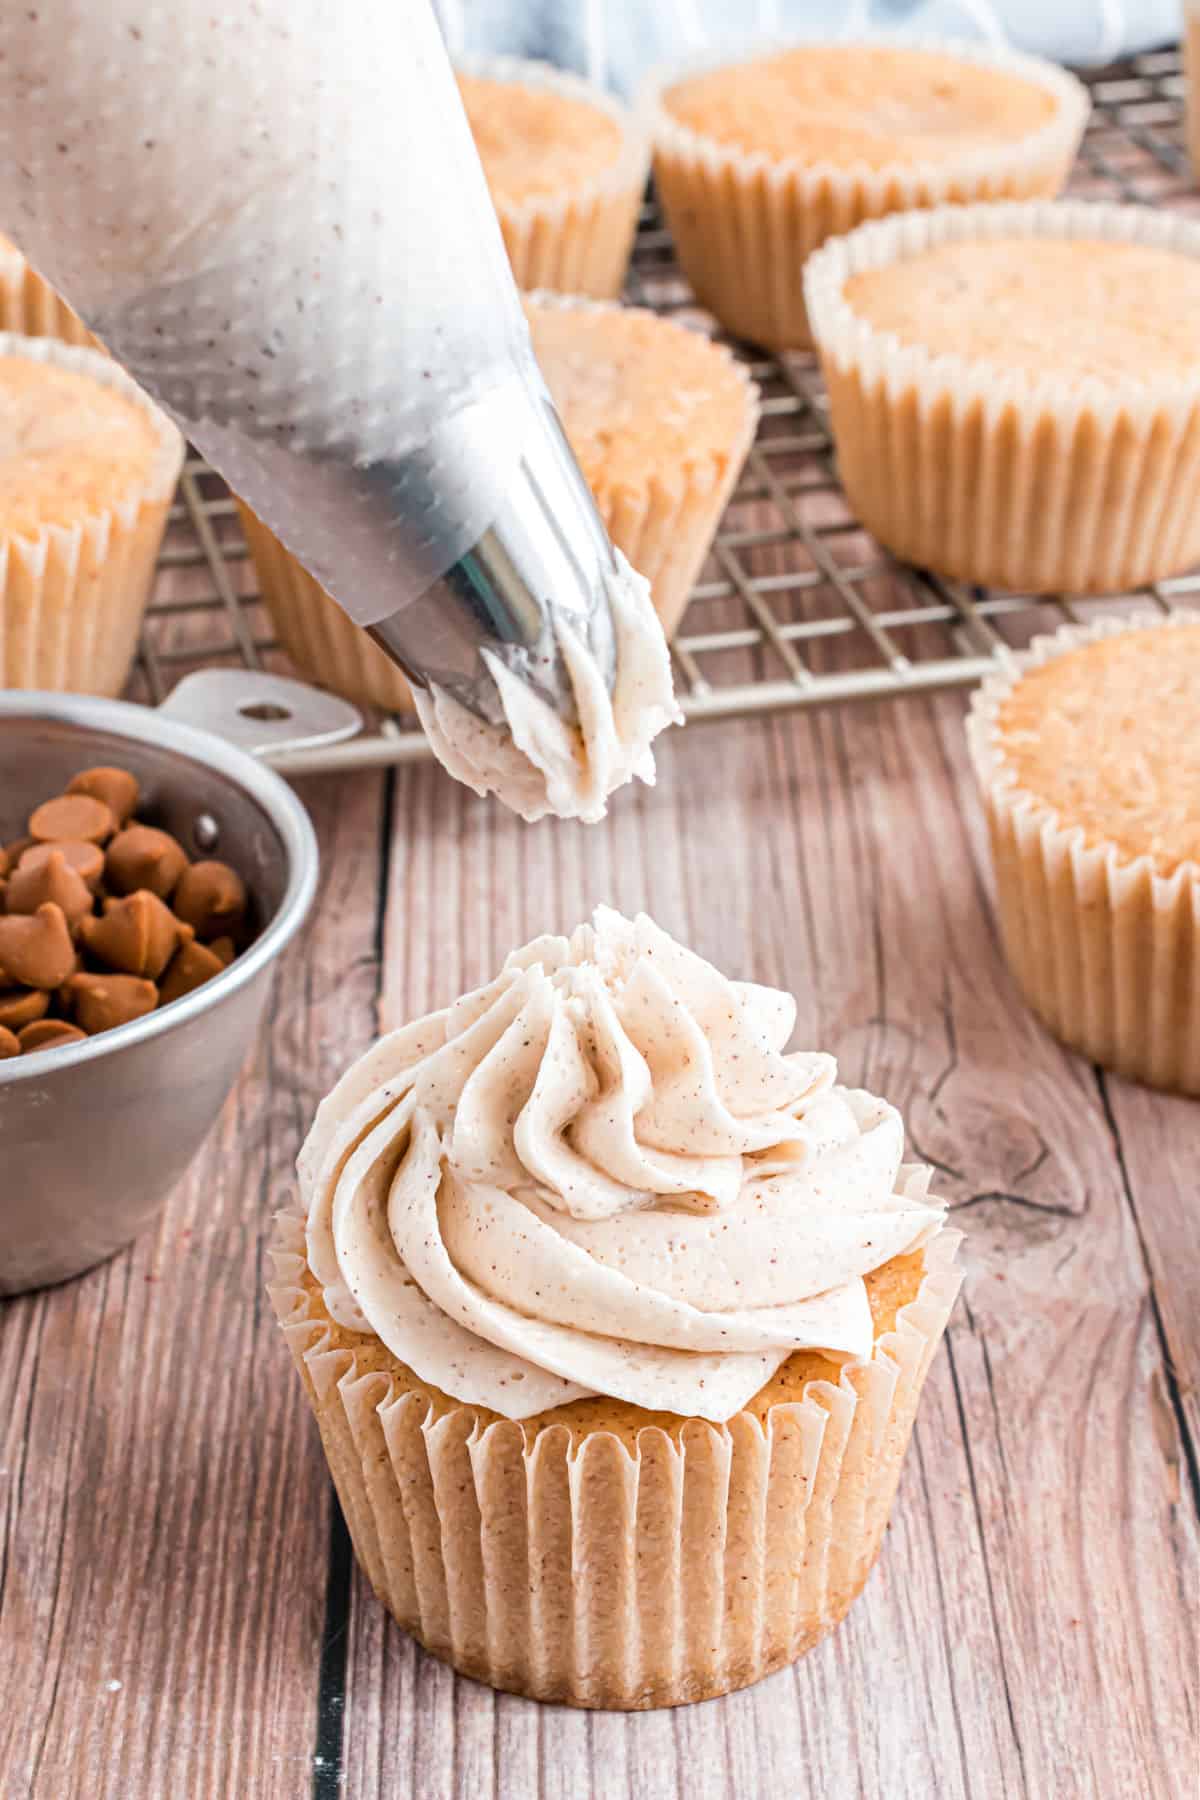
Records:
x=179, y=1615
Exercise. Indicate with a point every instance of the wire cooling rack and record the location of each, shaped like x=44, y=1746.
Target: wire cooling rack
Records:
x=796, y=606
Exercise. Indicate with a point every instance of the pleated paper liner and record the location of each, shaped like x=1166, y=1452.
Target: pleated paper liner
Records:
x=72, y=598
x=744, y=223
x=986, y=475
x=1104, y=948
x=648, y=1568
x=576, y=240
x=31, y=306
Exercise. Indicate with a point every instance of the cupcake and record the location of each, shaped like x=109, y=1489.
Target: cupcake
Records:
x=758, y=162
x=660, y=419
x=87, y=473
x=1014, y=391
x=1088, y=757
x=614, y=1319
x=31, y=306
x=566, y=167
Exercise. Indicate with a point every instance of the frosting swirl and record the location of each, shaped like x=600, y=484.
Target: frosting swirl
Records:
x=540, y=765
x=602, y=1174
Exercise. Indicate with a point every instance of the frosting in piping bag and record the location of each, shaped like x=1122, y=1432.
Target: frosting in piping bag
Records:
x=540, y=765
x=602, y=1174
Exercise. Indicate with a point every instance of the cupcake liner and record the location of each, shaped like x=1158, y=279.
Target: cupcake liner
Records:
x=576, y=241
x=744, y=222
x=581, y=1570
x=666, y=525
x=991, y=476
x=323, y=643
x=31, y=306
x=72, y=598
x=1105, y=949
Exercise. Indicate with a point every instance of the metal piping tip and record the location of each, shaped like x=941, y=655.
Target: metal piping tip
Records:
x=542, y=562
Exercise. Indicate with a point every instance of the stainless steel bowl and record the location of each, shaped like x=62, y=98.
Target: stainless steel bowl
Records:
x=94, y=1136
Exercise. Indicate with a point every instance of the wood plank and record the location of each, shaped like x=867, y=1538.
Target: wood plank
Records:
x=163, y=1548
x=1158, y=1139
x=1027, y=1631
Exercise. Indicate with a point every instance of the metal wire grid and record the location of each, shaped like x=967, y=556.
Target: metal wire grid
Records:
x=797, y=605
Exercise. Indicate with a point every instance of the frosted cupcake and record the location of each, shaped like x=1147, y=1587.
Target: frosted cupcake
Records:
x=614, y=1318
x=1014, y=391
x=87, y=472
x=30, y=305
x=660, y=419
x=757, y=162
x=1088, y=757
x=566, y=167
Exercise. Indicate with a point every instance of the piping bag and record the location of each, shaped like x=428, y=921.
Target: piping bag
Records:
x=274, y=216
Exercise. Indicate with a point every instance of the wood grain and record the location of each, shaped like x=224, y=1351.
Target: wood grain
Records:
x=164, y=1529
x=1027, y=1631
x=1030, y=1630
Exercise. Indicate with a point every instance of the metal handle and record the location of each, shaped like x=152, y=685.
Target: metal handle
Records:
x=266, y=715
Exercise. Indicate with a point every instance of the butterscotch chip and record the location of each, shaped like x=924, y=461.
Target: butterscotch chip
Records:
x=16, y=850
x=46, y=1034
x=72, y=816
x=211, y=898
x=101, y=1002
x=192, y=965
x=224, y=949
x=137, y=935
x=9, y=1043
x=143, y=857
x=5, y=862
x=36, y=950
x=117, y=788
x=20, y=1006
x=86, y=859
x=50, y=878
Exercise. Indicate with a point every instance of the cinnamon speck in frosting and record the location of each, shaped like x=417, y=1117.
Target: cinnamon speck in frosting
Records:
x=604, y=1173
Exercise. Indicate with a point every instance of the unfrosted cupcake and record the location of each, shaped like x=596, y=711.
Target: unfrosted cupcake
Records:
x=614, y=1318
x=87, y=472
x=1014, y=391
x=1088, y=756
x=566, y=167
x=660, y=419
x=757, y=162
x=31, y=306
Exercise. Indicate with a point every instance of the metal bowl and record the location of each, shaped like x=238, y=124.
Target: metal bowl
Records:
x=93, y=1136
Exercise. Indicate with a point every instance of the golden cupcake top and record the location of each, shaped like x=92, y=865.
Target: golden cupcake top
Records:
x=534, y=140
x=637, y=394
x=858, y=104
x=1066, y=307
x=69, y=446
x=1108, y=735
